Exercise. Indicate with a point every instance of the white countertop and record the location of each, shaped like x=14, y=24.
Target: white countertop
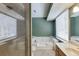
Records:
x=68, y=48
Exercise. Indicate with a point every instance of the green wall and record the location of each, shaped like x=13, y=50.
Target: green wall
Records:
x=42, y=27
x=75, y=26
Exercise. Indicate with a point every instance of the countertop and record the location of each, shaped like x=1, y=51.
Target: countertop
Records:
x=68, y=48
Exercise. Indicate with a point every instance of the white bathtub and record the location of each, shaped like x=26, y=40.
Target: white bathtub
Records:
x=42, y=42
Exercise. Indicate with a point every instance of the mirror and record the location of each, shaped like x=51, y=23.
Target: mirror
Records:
x=74, y=23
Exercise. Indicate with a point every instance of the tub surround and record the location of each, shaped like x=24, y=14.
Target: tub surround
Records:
x=42, y=42
x=42, y=46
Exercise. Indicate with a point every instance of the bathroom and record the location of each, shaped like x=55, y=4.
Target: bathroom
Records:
x=52, y=29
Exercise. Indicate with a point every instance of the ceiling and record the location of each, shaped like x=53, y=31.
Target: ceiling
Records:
x=57, y=9
x=51, y=11
x=40, y=9
x=17, y=7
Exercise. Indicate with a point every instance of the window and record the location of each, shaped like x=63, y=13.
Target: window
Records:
x=7, y=26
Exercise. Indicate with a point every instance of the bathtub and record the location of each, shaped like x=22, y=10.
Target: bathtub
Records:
x=42, y=43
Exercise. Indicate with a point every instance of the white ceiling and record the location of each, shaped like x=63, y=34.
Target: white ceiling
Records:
x=56, y=9
x=40, y=9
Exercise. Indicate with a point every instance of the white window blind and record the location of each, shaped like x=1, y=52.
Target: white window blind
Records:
x=7, y=26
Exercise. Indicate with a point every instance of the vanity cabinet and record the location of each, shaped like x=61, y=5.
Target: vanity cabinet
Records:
x=58, y=52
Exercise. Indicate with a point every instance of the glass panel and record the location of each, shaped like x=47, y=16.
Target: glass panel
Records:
x=12, y=36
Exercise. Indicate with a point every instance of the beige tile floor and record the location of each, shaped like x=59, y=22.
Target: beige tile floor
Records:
x=43, y=52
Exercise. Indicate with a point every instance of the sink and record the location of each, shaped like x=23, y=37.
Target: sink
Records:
x=60, y=41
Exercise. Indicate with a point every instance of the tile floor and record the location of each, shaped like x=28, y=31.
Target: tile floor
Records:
x=43, y=52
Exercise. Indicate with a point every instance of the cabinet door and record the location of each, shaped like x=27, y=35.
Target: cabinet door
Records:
x=56, y=51
x=59, y=52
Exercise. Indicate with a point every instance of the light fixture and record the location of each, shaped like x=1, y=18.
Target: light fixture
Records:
x=75, y=9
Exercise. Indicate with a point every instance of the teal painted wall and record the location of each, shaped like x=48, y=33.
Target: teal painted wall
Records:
x=42, y=27
x=54, y=28
x=75, y=26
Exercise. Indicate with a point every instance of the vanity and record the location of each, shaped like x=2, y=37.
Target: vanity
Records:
x=59, y=52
